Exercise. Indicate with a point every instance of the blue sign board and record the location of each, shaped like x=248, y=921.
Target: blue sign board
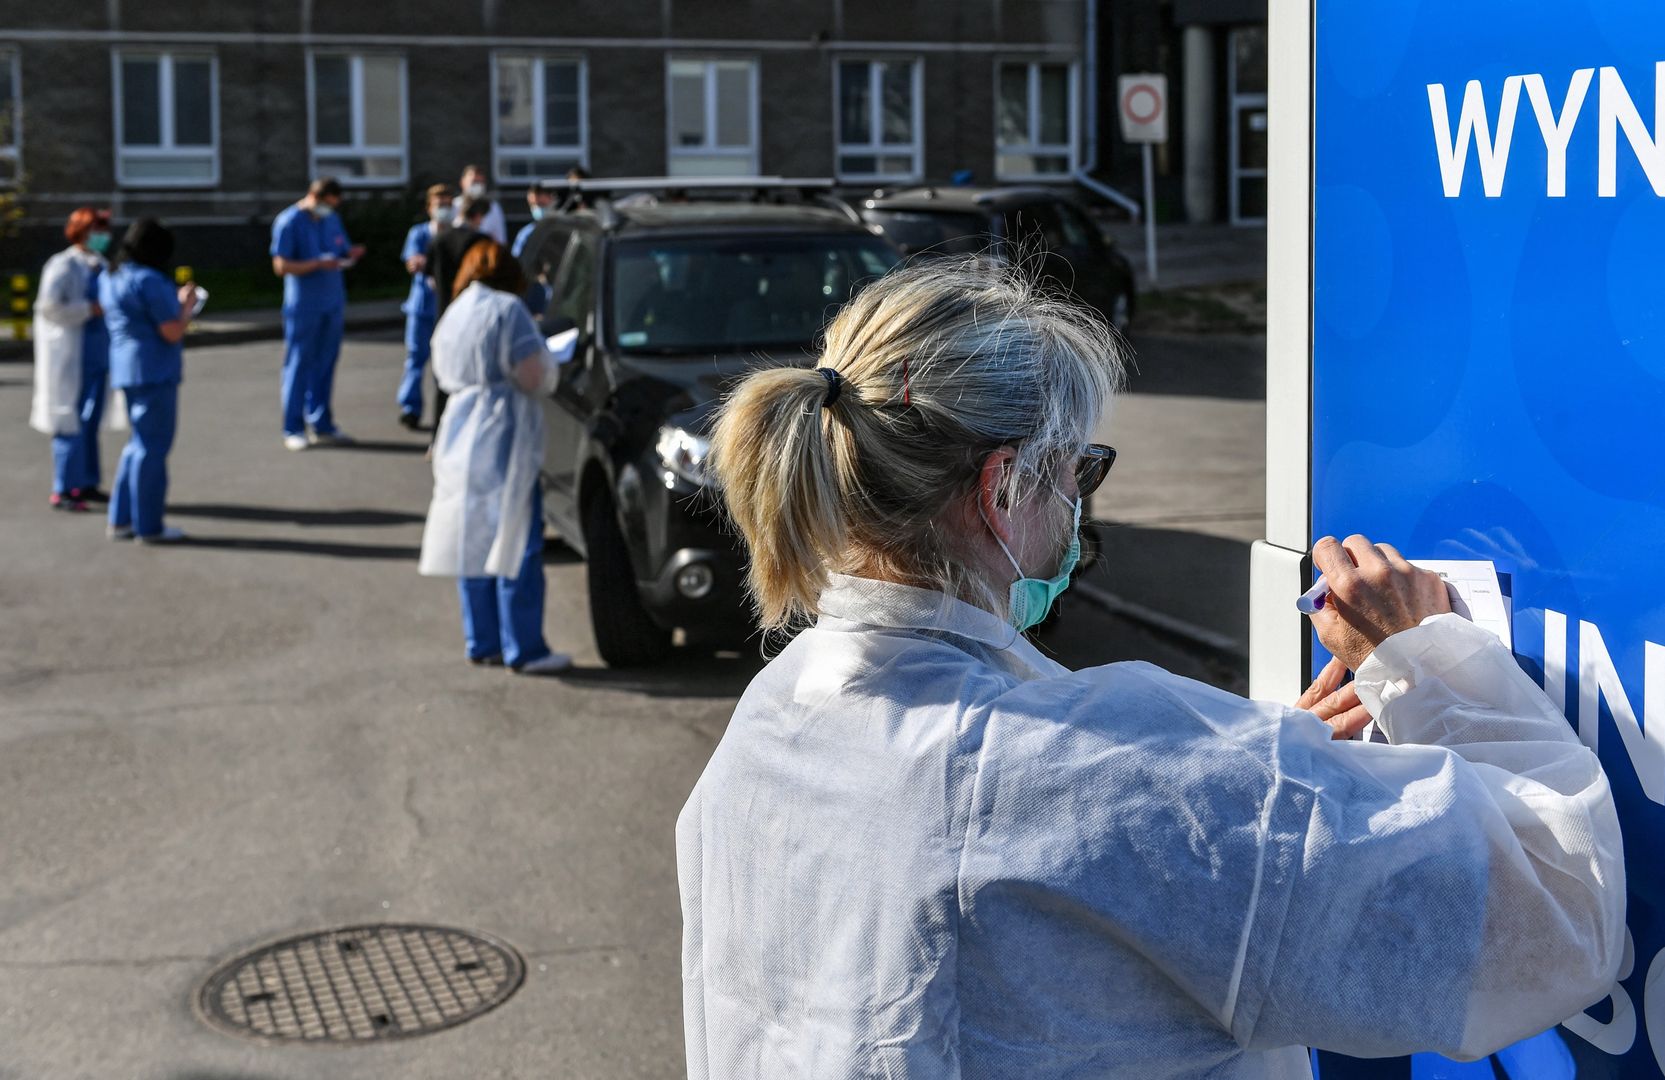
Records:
x=1489, y=379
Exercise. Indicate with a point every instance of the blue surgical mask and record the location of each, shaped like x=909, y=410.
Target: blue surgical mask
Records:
x=1031, y=599
x=99, y=242
x=537, y=212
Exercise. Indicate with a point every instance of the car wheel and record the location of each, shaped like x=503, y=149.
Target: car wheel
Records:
x=625, y=634
x=1121, y=312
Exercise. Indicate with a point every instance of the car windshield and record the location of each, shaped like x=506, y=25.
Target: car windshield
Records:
x=734, y=294
x=934, y=232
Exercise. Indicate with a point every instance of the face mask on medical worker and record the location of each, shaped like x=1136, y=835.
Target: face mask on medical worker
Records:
x=99, y=242
x=322, y=210
x=1030, y=599
x=476, y=189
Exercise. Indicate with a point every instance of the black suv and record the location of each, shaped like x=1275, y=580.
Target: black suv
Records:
x=673, y=301
x=1009, y=223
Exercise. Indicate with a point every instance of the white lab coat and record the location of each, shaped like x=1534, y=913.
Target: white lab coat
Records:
x=61, y=311
x=489, y=447
x=924, y=850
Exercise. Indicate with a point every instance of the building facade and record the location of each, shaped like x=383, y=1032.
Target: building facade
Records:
x=213, y=116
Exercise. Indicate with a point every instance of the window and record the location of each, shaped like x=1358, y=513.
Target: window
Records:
x=358, y=117
x=540, y=116
x=11, y=116
x=879, y=114
x=167, y=119
x=1034, y=120
x=713, y=118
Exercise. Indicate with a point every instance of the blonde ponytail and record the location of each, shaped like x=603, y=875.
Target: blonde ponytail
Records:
x=938, y=365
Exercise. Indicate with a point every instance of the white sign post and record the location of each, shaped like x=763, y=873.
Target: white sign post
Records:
x=1143, y=106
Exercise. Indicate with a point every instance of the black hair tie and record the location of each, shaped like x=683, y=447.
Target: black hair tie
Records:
x=835, y=386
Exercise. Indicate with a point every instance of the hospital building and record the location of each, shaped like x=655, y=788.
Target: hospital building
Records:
x=215, y=115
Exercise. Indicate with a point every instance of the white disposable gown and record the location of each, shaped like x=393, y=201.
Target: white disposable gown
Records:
x=924, y=850
x=489, y=447
x=61, y=311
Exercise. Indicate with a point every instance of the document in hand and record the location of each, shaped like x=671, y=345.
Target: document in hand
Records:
x=563, y=346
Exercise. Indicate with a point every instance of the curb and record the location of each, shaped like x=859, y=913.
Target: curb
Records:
x=1139, y=613
x=25, y=350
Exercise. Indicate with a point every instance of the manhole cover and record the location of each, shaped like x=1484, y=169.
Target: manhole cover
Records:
x=361, y=984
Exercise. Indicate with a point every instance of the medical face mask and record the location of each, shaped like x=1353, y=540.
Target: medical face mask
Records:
x=322, y=210
x=99, y=242
x=537, y=212
x=440, y=218
x=1030, y=599
x=476, y=189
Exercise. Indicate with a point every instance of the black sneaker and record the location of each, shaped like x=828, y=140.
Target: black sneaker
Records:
x=411, y=421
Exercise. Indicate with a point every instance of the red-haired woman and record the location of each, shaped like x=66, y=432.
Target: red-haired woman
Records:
x=72, y=358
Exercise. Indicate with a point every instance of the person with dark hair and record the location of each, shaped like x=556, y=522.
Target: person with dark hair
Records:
x=72, y=359
x=540, y=202
x=485, y=523
x=309, y=251
x=473, y=186
x=146, y=317
x=574, y=200
x=445, y=258
x=420, y=307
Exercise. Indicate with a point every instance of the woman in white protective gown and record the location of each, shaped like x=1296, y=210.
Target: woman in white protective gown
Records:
x=485, y=524
x=923, y=849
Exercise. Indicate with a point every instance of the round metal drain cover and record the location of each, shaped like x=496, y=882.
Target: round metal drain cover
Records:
x=361, y=984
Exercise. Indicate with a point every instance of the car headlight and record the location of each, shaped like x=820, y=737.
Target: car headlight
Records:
x=683, y=454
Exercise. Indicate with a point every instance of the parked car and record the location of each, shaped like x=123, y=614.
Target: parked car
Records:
x=673, y=302
x=1011, y=223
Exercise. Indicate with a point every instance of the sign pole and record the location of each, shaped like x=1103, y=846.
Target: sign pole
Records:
x=1144, y=116
x=1150, y=213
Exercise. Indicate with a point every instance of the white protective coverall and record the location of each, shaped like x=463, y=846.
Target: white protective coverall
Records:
x=489, y=447
x=61, y=311
x=924, y=850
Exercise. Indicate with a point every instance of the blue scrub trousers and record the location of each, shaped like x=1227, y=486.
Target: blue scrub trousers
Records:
x=312, y=342
x=75, y=465
x=141, y=487
x=504, y=616
x=419, y=329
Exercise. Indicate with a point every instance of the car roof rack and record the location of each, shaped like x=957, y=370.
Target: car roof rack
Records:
x=619, y=192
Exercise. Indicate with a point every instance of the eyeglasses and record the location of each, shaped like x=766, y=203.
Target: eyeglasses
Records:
x=1092, y=467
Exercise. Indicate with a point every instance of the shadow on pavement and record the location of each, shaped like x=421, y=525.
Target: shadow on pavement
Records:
x=688, y=674
x=343, y=518
x=1190, y=577
x=394, y=552
x=378, y=446
x=1231, y=366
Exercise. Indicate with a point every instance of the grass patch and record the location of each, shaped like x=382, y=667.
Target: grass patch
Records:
x=241, y=288
x=1215, y=309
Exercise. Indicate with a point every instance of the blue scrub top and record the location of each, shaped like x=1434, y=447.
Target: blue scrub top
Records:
x=136, y=301
x=420, y=302
x=297, y=235
x=95, y=336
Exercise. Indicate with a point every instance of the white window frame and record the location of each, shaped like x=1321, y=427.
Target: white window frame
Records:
x=13, y=151
x=1034, y=146
x=167, y=148
x=358, y=148
x=540, y=149
x=751, y=153
x=876, y=146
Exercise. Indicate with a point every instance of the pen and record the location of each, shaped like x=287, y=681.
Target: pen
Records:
x=1312, y=601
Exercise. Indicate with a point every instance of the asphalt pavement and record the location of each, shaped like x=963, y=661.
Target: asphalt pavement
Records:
x=273, y=730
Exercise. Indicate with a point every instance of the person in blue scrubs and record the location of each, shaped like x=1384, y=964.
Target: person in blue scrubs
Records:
x=540, y=204
x=420, y=307
x=309, y=251
x=146, y=316
x=72, y=370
